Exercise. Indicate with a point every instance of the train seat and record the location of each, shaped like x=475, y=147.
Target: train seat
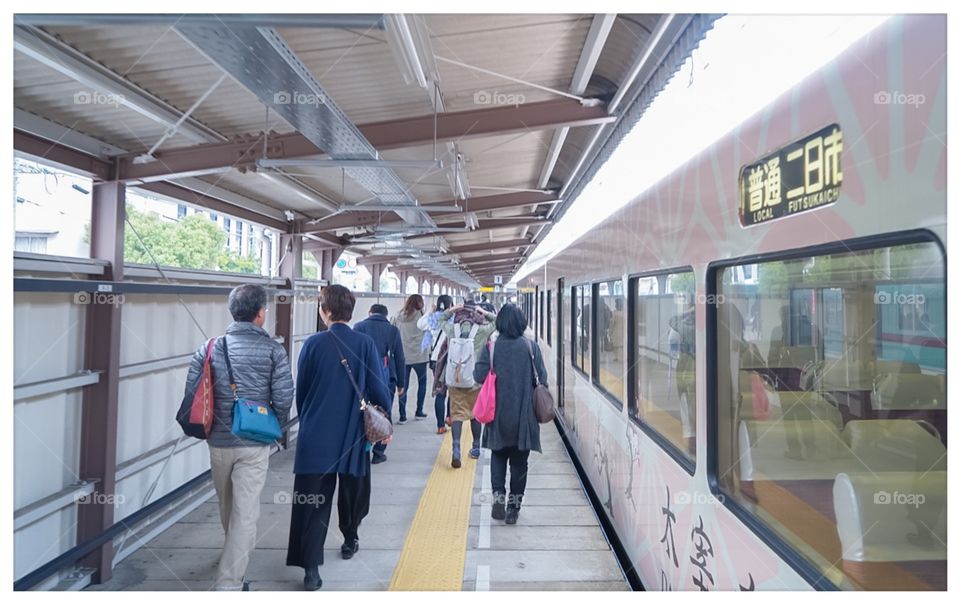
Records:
x=904, y=391
x=840, y=374
x=792, y=405
x=895, y=445
x=793, y=449
x=883, y=366
x=891, y=516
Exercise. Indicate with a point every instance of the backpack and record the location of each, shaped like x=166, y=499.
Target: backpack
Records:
x=461, y=359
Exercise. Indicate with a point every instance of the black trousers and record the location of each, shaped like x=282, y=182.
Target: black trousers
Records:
x=312, y=503
x=518, y=474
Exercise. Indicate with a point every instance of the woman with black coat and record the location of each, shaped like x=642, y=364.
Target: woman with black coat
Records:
x=514, y=431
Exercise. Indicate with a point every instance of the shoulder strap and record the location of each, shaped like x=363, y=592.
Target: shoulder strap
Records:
x=226, y=358
x=346, y=366
x=533, y=362
x=474, y=330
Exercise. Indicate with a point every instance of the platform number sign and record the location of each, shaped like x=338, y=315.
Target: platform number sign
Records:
x=498, y=280
x=801, y=176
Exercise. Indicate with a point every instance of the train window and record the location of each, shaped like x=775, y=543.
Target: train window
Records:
x=549, y=316
x=581, y=295
x=664, y=365
x=832, y=409
x=541, y=315
x=611, y=337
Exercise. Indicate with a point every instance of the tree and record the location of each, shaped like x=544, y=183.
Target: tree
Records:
x=194, y=242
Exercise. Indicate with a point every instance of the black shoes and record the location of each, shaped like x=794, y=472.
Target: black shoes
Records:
x=379, y=457
x=246, y=586
x=512, y=514
x=311, y=579
x=499, y=511
x=349, y=548
x=420, y=415
x=455, y=462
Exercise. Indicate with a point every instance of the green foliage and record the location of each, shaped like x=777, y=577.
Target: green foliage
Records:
x=194, y=242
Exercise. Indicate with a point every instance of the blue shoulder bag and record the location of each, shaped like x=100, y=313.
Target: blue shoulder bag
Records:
x=251, y=420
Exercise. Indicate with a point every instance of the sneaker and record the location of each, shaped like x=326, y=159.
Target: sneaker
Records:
x=349, y=548
x=311, y=579
x=379, y=458
x=475, y=453
x=420, y=415
x=402, y=421
x=442, y=430
x=512, y=514
x=498, y=512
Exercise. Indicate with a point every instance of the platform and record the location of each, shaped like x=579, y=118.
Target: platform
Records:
x=556, y=545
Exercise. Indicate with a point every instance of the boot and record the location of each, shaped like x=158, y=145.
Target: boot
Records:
x=311, y=579
x=512, y=514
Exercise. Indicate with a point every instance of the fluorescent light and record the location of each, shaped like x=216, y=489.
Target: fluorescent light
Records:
x=409, y=41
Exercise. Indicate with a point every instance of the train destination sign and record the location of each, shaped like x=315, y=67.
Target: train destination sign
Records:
x=801, y=176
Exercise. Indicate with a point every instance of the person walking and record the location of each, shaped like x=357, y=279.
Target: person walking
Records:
x=331, y=444
x=415, y=353
x=465, y=321
x=390, y=350
x=239, y=466
x=431, y=323
x=514, y=431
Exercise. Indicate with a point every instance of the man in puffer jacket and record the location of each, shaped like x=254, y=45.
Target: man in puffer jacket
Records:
x=239, y=466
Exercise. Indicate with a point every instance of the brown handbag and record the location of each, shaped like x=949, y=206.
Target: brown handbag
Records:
x=543, y=406
x=376, y=425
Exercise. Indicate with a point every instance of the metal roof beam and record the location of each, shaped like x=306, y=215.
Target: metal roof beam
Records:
x=474, y=204
x=201, y=199
x=496, y=245
x=490, y=224
x=361, y=21
x=244, y=151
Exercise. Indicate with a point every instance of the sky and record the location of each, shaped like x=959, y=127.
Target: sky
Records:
x=742, y=65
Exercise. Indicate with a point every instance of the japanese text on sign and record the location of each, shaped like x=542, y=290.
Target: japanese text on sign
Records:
x=801, y=176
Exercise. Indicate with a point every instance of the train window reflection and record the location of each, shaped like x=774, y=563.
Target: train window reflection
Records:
x=664, y=332
x=832, y=409
x=580, y=295
x=611, y=337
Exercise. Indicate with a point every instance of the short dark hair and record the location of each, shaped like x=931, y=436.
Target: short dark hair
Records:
x=338, y=302
x=511, y=322
x=246, y=302
x=379, y=309
x=444, y=302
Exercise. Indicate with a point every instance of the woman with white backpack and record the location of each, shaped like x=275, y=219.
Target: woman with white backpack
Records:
x=467, y=328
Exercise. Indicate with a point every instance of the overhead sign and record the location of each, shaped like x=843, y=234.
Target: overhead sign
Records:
x=498, y=280
x=486, y=290
x=801, y=176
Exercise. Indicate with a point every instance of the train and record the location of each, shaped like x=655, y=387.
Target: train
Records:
x=749, y=358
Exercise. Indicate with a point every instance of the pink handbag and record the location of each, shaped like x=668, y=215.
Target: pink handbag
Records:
x=486, y=406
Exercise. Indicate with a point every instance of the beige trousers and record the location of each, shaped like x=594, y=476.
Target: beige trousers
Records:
x=239, y=474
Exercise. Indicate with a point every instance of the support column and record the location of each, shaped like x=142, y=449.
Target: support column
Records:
x=375, y=271
x=403, y=282
x=291, y=269
x=330, y=258
x=98, y=423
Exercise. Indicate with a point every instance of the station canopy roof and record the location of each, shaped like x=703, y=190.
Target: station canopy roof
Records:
x=443, y=145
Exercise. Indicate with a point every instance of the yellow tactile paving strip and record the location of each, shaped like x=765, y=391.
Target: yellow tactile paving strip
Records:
x=435, y=551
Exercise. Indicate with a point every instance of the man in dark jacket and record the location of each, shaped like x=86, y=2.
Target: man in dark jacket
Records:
x=389, y=348
x=239, y=466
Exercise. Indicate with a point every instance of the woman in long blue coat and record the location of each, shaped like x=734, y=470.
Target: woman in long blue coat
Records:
x=331, y=445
